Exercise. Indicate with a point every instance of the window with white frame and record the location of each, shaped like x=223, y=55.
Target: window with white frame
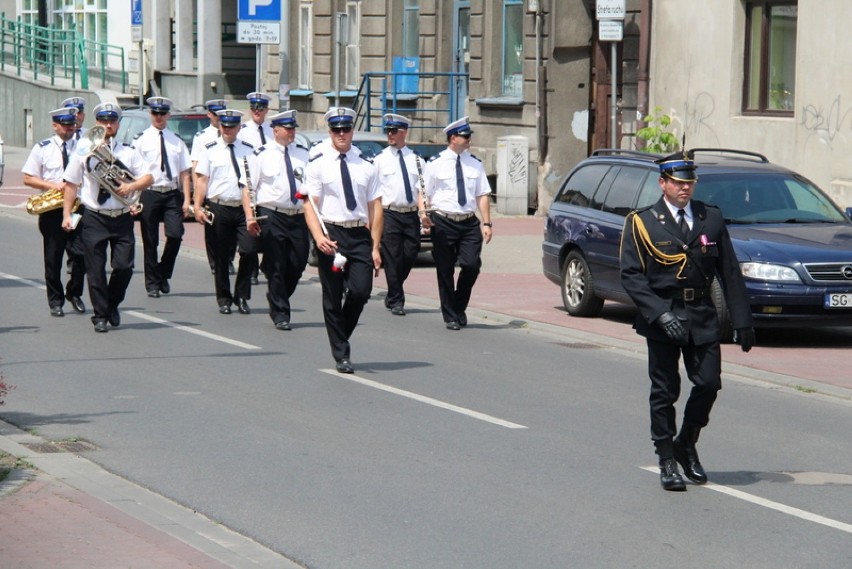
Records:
x=306, y=52
x=352, y=52
x=411, y=29
x=770, y=62
x=513, y=48
x=88, y=17
x=28, y=10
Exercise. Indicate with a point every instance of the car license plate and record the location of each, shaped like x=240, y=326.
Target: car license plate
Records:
x=838, y=300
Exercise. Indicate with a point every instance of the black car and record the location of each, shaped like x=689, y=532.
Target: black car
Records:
x=793, y=243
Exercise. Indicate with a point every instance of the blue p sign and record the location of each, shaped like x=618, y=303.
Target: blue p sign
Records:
x=268, y=10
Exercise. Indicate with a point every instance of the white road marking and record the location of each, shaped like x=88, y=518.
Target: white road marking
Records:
x=23, y=280
x=777, y=506
x=195, y=331
x=424, y=399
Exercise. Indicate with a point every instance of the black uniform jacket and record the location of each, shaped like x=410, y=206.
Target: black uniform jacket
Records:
x=657, y=264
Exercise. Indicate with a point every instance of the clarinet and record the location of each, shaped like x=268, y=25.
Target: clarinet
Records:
x=254, y=216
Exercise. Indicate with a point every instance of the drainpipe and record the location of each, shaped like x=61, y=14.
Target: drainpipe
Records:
x=643, y=78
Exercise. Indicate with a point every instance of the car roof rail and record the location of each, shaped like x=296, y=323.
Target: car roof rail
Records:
x=624, y=152
x=729, y=151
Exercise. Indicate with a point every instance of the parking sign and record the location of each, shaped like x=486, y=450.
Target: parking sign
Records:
x=263, y=10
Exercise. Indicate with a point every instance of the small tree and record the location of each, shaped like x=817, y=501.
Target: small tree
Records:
x=656, y=135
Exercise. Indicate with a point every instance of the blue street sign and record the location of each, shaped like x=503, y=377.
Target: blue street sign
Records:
x=135, y=12
x=263, y=10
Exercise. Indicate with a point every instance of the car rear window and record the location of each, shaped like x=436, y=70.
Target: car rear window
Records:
x=582, y=184
x=621, y=195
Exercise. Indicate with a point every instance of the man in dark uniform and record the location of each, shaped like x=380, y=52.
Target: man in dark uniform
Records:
x=43, y=171
x=670, y=254
x=344, y=214
x=107, y=219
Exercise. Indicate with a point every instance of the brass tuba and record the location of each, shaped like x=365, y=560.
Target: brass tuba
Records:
x=48, y=200
x=108, y=170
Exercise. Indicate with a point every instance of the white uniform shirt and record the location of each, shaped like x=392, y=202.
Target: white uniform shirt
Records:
x=271, y=185
x=77, y=174
x=216, y=164
x=250, y=132
x=148, y=144
x=45, y=159
x=390, y=176
x=323, y=181
x=440, y=180
x=201, y=140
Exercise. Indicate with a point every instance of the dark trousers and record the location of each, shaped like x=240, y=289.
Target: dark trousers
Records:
x=400, y=246
x=98, y=233
x=341, y=314
x=56, y=243
x=229, y=231
x=285, y=243
x=703, y=365
x=166, y=209
x=456, y=241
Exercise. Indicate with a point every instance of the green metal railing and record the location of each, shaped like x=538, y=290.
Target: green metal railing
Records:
x=55, y=54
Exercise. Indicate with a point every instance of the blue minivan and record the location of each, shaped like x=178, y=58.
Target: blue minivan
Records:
x=793, y=243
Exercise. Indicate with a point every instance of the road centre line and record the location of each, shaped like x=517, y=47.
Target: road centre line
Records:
x=191, y=330
x=777, y=506
x=22, y=280
x=427, y=400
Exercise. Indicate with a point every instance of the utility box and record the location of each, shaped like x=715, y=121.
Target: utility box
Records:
x=513, y=175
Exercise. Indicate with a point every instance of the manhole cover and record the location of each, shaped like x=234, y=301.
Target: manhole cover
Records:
x=61, y=446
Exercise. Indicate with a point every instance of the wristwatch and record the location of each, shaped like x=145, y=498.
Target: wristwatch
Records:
x=489, y=224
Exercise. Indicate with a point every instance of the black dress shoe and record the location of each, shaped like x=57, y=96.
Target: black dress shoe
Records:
x=345, y=366
x=164, y=287
x=453, y=325
x=154, y=294
x=398, y=311
x=282, y=325
x=225, y=309
x=77, y=304
x=56, y=311
x=242, y=306
x=687, y=456
x=462, y=319
x=115, y=318
x=101, y=327
x=670, y=478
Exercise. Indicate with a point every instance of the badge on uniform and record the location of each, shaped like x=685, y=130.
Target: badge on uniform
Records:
x=705, y=242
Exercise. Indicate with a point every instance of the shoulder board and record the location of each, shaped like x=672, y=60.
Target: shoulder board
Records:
x=302, y=147
x=435, y=157
x=246, y=144
x=44, y=142
x=245, y=124
x=417, y=154
x=138, y=134
x=476, y=158
x=315, y=157
x=127, y=144
x=364, y=158
x=198, y=133
x=642, y=209
x=211, y=144
x=259, y=150
x=705, y=204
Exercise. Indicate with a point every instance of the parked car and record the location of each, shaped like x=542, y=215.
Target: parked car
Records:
x=793, y=243
x=185, y=124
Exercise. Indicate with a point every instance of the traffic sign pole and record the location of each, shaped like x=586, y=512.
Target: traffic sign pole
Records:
x=609, y=12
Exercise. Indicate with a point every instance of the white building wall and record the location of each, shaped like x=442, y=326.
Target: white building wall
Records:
x=697, y=77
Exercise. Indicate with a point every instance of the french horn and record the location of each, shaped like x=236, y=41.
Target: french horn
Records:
x=109, y=171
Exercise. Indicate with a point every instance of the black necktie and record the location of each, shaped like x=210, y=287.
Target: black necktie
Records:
x=234, y=162
x=164, y=158
x=347, y=184
x=64, y=156
x=291, y=178
x=684, y=228
x=460, y=182
x=408, y=196
x=262, y=136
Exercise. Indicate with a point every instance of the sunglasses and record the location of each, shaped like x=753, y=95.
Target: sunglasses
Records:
x=464, y=134
x=223, y=125
x=391, y=130
x=341, y=129
x=159, y=113
x=258, y=107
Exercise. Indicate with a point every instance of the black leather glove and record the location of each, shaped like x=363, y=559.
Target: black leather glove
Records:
x=673, y=328
x=745, y=338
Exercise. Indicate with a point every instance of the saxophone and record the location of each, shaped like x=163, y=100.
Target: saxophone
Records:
x=48, y=201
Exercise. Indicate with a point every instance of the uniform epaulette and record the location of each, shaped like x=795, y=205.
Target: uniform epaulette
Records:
x=138, y=134
x=211, y=144
x=364, y=158
x=44, y=142
x=246, y=144
x=127, y=144
x=199, y=133
x=646, y=208
x=302, y=147
x=259, y=150
x=476, y=158
x=315, y=157
x=435, y=157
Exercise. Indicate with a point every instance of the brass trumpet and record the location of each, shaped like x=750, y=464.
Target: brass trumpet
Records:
x=109, y=171
x=48, y=200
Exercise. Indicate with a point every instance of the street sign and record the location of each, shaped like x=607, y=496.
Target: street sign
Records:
x=135, y=12
x=263, y=10
x=610, y=9
x=258, y=32
x=610, y=30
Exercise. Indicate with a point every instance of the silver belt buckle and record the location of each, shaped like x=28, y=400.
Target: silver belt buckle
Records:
x=689, y=294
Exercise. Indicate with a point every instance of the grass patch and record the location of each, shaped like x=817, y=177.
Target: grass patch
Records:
x=804, y=389
x=8, y=463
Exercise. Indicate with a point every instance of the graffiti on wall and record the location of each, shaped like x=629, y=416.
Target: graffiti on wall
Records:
x=517, y=166
x=826, y=122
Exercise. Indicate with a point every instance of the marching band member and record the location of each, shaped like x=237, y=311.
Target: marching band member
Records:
x=284, y=233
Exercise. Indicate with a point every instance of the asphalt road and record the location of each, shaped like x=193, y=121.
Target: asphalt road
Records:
x=500, y=446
